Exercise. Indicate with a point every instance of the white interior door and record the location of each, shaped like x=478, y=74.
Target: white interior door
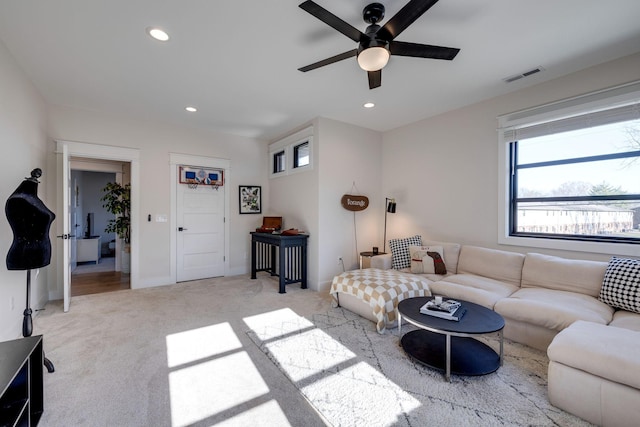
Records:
x=200, y=232
x=66, y=228
x=74, y=230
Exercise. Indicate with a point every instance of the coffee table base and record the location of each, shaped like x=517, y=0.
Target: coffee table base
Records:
x=468, y=356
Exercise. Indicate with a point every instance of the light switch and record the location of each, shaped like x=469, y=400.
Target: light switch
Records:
x=161, y=218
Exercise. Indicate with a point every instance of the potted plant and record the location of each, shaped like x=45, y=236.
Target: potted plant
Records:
x=117, y=200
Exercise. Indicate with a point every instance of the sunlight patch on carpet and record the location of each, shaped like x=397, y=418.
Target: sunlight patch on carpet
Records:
x=197, y=344
x=277, y=323
x=330, y=376
x=207, y=388
x=327, y=354
x=268, y=414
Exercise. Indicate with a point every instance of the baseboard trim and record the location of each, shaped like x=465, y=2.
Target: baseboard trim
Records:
x=156, y=281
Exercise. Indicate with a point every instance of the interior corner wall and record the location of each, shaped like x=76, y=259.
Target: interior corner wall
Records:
x=343, y=155
x=294, y=197
x=156, y=140
x=350, y=162
x=443, y=171
x=23, y=121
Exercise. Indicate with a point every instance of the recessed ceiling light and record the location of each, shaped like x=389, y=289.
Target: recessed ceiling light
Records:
x=191, y=109
x=369, y=105
x=158, y=34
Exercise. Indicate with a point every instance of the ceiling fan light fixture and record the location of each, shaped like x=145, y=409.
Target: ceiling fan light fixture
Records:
x=158, y=34
x=373, y=58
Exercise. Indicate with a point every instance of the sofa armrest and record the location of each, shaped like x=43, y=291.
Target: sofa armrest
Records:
x=383, y=262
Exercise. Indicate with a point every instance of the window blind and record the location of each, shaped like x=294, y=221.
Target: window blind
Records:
x=598, y=118
x=612, y=105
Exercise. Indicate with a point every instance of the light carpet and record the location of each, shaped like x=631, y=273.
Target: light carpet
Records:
x=354, y=376
x=171, y=356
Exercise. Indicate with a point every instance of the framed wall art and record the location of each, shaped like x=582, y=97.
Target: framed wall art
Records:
x=250, y=199
x=194, y=176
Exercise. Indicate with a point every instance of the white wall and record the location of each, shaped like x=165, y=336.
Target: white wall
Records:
x=155, y=141
x=24, y=145
x=348, y=154
x=444, y=172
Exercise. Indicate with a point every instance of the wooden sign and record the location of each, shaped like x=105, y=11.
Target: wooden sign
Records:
x=354, y=203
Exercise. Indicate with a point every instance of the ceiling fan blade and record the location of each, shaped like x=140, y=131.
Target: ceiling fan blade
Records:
x=332, y=20
x=405, y=17
x=375, y=79
x=422, y=50
x=336, y=58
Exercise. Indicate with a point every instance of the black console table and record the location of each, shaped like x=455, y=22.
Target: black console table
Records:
x=21, y=383
x=291, y=257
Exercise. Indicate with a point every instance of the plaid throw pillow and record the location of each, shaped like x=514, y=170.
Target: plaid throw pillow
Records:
x=400, y=256
x=621, y=284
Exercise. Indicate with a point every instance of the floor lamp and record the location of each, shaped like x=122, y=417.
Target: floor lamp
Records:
x=390, y=207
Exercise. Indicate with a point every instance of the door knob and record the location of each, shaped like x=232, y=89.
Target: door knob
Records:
x=182, y=229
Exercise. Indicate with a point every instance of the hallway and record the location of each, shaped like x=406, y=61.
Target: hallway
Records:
x=93, y=279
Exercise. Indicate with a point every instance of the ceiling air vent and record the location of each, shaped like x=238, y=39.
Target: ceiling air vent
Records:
x=522, y=75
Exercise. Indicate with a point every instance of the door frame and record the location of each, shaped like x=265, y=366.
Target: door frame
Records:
x=176, y=160
x=103, y=152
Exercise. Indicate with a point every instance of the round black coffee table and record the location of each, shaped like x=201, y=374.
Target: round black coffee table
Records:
x=448, y=345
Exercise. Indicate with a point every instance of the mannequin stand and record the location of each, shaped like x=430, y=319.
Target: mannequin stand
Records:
x=27, y=322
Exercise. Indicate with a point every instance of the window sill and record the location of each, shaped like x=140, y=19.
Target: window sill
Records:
x=627, y=249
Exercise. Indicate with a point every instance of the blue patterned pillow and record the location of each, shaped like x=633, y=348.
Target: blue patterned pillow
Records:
x=400, y=251
x=621, y=284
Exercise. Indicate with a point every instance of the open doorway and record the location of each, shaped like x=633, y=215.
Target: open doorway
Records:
x=66, y=151
x=95, y=264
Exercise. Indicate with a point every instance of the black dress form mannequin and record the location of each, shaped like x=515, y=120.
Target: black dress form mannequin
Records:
x=30, y=221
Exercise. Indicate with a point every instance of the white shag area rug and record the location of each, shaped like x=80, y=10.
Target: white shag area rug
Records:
x=354, y=376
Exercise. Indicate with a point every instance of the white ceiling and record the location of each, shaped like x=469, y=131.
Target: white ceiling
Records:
x=237, y=61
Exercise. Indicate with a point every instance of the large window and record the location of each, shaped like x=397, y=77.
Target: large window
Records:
x=573, y=174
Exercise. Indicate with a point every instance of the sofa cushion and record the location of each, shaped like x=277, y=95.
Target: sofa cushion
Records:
x=451, y=253
x=604, y=351
x=400, y=251
x=621, y=284
x=553, y=309
x=427, y=259
x=550, y=272
x=495, y=264
x=626, y=319
x=477, y=289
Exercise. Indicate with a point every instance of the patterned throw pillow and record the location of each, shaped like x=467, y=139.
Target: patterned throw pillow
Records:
x=621, y=284
x=427, y=259
x=400, y=251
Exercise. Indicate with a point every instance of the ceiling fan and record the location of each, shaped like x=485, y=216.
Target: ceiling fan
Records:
x=377, y=43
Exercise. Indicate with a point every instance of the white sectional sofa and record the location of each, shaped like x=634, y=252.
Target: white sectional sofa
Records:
x=552, y=304
x=594, y=372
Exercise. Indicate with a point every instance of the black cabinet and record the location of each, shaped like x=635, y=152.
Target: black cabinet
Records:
x=289, y=262
x=21, y=366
